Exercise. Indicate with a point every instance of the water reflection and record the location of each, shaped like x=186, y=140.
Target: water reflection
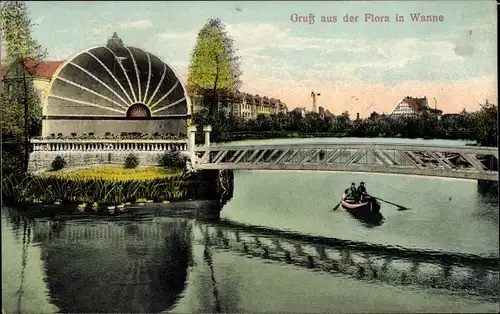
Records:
x=25, y=245
x=368, y=220
x=460, y=273
x=148, y=263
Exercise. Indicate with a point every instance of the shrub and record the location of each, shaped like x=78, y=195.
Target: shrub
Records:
x=132, y=161
x=172, y=159
x=58, y=163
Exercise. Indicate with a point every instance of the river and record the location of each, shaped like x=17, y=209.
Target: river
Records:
x=277, y=247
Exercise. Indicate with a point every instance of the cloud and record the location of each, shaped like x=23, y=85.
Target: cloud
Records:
x=137, y=24
x=38, y=20
x=275, y=58
x=188, y=38
x=62, y=53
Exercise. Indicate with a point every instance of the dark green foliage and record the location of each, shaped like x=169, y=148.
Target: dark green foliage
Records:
x=58, y=163
x=20, y=112
x=132, y=161
x=32, y=189
x=480, y=126
x=172, y=159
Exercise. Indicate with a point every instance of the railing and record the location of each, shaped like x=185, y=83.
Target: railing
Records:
x=454, y=162
x=107, y=145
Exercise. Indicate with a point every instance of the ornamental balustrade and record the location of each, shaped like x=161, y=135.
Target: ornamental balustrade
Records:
x=108, y=145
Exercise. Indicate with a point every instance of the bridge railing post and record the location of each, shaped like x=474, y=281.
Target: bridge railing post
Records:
x=191, y=143
x=207, y=129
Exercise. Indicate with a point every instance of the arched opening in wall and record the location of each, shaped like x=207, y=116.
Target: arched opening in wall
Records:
x=138, y=110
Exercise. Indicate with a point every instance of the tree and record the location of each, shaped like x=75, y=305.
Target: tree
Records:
x=374, y=115
x=485, y=125
x=345, y=115
x=214, y=69
x=21, y=110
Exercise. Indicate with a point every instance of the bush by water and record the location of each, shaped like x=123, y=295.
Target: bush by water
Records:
x=172, y=159
x=132, y=161
x=58, y=163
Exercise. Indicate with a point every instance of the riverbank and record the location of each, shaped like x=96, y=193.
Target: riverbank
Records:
x=113, y=188
x=267, y=135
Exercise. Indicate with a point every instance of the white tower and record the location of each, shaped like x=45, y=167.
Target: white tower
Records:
x=313, y=95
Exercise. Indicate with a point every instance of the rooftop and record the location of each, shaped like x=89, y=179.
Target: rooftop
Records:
x=416, y=103
x=43, y=69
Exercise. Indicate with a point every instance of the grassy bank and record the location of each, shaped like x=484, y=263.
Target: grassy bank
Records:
x=96, y=186
x=115, y=173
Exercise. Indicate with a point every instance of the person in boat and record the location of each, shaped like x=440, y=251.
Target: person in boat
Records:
x=361, y=192
x=351, y=192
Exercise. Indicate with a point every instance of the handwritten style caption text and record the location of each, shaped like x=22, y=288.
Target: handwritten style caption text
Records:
x=368, y=18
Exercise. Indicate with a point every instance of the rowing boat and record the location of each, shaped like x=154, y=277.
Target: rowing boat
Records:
x=369, y=205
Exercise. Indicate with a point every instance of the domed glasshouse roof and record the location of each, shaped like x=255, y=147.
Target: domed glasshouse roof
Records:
x=115, y=80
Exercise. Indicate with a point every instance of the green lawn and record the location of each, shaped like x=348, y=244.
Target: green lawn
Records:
x=117, y=173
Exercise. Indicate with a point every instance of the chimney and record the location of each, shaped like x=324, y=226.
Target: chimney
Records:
x=357, y=116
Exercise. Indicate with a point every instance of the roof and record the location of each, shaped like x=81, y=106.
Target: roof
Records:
x=44, y=69
x=415, y=103
x=299, y=109
x=265, y=101
x=328, y=114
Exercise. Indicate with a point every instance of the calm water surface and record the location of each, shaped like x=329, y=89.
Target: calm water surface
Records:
x=277, y=247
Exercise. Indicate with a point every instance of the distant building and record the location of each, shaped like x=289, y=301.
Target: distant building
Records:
x=321, y=112
x=248, y=106
x=412, y=106
x=328, y=115
x=299, y=111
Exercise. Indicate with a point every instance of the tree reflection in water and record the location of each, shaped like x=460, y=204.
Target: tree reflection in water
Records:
x=127, y=272
x=24, y=257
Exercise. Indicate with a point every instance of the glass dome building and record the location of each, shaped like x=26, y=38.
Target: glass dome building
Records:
x=115, y=90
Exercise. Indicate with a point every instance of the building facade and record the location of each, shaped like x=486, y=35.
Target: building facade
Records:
x=413, y=106
x=110, y=91
x=299, y=112
x=247, y=106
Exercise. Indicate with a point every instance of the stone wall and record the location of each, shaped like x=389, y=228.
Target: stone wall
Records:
x=42, y=160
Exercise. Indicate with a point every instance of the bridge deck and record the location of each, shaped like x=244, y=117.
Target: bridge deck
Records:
x=455, y=162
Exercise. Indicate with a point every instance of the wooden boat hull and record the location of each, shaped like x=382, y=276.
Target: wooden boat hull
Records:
x=369, y=207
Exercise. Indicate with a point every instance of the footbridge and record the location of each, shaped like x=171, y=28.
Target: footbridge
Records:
x=467, y=162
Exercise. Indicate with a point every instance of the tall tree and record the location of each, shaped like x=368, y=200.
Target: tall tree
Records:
x=21, y=110
x=214, y=69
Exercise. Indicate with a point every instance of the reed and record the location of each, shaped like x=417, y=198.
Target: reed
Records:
x=75, y=189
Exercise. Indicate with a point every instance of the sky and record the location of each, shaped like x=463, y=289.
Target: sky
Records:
x=358, y=67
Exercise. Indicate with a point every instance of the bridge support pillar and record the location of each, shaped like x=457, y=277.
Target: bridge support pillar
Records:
x=485, y=186
x=207, y=129
x=191, y=143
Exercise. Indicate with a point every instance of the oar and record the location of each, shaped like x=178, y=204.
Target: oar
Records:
x=337, y=206
x=400, y=207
